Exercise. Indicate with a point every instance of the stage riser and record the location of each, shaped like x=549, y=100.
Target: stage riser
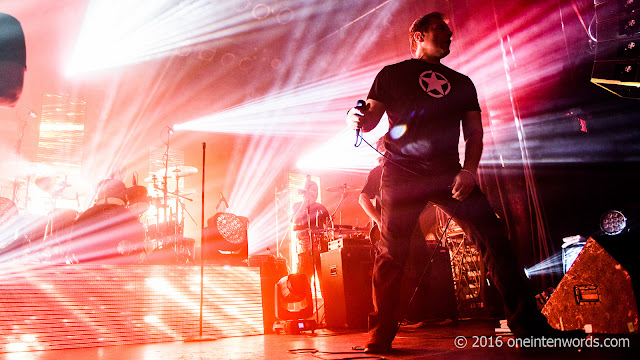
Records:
x=75, y=306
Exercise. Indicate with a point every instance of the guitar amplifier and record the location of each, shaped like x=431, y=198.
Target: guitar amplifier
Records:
x=343, y=242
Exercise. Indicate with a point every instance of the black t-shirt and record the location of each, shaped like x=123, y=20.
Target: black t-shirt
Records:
x=425, y=103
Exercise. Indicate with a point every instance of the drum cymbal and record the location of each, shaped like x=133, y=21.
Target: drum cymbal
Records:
x=152, y=178
x=61, y=186
x=8, y=182
x=343, y=188
x=186, y=192
x=46, y=183
x=178, y=171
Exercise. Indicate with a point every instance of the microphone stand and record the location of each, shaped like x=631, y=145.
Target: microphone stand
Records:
x=199, y=337
x=165, y=187
x=344, y=196
x=313, y=255
x=204, y=147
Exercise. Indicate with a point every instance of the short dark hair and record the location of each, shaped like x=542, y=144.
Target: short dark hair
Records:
x=422, y=25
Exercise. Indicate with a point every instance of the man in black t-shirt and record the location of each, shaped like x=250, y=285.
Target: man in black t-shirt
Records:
x=427, y=103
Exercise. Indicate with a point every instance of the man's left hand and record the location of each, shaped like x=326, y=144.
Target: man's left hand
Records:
x=463, y=184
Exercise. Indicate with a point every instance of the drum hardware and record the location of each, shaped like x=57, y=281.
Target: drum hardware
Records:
x=58, y=220
x=345, y=190
x=168, y=230
x=138, y=199
x=56, y=236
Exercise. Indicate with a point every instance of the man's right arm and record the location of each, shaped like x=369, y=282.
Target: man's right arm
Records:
x=367, y=117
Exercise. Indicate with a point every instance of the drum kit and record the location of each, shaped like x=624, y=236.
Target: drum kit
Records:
x=119, y=227
x=332, y=235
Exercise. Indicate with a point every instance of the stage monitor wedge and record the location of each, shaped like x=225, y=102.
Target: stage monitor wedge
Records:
x=595, y=293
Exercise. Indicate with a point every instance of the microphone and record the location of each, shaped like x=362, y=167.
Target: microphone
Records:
x=272, y=254
x=359, y=104
x=222, y=199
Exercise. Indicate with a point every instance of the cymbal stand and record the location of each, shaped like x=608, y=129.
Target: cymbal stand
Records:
x=342, y=197
x=179, y=220
x=278, y=206
x=50, y=228
x=313, y=256
x=165, y=183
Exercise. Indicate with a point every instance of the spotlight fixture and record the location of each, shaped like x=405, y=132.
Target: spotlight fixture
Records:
x=613, y=222
x=294, y=289
x=226, y=235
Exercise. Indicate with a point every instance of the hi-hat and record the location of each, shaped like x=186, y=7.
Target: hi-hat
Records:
x=343, y=188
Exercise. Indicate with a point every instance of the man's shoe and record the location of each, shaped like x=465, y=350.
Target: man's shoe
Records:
x=377, y=348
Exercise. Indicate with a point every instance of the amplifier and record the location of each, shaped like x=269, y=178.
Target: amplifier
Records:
x=343, y=242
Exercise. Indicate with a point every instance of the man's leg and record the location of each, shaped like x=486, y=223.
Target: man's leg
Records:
x=479, y=221
x=401, y=208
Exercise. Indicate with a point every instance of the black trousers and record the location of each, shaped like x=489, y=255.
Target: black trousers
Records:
x=404, y=196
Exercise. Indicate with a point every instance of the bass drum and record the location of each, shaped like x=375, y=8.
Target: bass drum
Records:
x=107, y=234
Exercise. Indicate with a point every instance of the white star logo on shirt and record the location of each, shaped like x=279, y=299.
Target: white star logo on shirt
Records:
x=435, y=84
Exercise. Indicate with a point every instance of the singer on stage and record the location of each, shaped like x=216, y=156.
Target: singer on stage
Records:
x=426, y=103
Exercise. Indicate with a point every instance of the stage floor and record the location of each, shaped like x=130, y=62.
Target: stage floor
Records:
x=429, y=342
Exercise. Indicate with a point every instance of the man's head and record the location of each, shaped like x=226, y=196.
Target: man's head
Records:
x=311, y=190
x=430, y=37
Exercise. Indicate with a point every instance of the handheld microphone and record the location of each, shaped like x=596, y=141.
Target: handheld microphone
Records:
x=359, y=104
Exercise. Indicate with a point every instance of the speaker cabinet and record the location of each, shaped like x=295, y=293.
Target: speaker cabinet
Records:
x=435, y=297
x=272, y=269
x=346, y=286
x=596, y=293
